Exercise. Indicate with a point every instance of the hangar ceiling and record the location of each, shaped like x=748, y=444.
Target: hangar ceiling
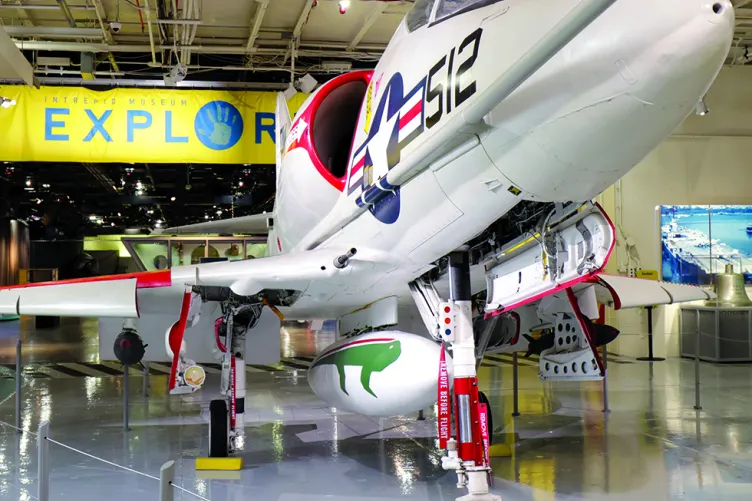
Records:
x=254, y=43
x=248, y=43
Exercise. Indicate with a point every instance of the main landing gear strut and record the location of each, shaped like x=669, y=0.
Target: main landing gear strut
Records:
x=466, y=451
x=226, y=416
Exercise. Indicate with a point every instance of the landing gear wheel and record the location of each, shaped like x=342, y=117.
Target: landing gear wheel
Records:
x=484, y=400
x=219, y=429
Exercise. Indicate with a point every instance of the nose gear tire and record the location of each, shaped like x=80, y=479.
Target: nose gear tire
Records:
x=219, y=429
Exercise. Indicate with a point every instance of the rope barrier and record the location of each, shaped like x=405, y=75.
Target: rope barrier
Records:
x=17, y=428
x=100, y=459
x=189, y=492
x=123, y=467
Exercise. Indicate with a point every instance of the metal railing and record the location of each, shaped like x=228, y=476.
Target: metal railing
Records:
x=166, y=477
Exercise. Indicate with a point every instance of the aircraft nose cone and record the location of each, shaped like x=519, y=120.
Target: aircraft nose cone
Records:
x=719, y=12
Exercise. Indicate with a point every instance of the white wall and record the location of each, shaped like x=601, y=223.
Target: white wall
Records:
x=708, y=160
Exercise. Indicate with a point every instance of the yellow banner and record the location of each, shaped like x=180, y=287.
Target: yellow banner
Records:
x=73, y=124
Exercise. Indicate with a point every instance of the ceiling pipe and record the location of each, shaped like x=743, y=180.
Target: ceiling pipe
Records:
x=193, y=29
x=201, y=49
x=150, y=84
x=175, y=30
x=151, y=34
x=53, y=31
x=180, y=21
x=184, y=31
x=43, y=7
x=52, y=71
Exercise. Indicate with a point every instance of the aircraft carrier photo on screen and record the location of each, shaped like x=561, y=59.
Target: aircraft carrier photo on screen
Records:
x=693, y=236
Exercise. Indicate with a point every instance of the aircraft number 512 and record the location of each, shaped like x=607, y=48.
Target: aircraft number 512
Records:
x=445, y=82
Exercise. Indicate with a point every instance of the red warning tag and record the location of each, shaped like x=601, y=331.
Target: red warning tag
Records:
x=443, y=401
x=484, y=432
x=232, y=393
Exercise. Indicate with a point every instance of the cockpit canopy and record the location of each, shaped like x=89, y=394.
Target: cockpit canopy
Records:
x=434, y=11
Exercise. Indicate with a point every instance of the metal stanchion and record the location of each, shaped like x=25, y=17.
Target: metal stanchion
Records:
x=43, y=462
x=166, y=476
x=146, y=380
x=126, y=388
x=606, y=408
x=697, y=370
x=18, y=385
x=650, y=357
x=515, y=385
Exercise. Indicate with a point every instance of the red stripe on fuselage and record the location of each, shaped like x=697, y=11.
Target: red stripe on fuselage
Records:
x=384, y=339
x=359, y=165
x=408, y=117
x=144, y=280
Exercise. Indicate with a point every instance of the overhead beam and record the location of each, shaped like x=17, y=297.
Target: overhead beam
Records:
x=13, y=64
x=67, y=13
x=53, y=32
x=378, y=9
x=302, y=19
x=101, y=16
x=258, y=18
x=741, y=3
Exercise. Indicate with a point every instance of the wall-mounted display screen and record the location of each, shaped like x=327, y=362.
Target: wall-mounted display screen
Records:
x=698, y=241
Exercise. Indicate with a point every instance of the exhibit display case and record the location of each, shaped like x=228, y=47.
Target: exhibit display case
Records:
x=163, y=252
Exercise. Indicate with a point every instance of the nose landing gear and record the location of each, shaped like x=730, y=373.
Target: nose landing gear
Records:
x=467, y=453
x=226, y=416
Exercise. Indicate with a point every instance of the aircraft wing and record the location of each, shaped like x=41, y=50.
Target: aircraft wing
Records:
x=108, y=296
x=627, y=292
x=116, y=295
x=256, y=224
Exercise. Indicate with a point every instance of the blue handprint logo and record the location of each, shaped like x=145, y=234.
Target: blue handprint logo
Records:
x=218, y=125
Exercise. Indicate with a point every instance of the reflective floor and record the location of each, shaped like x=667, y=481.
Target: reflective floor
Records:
x=652, y=446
